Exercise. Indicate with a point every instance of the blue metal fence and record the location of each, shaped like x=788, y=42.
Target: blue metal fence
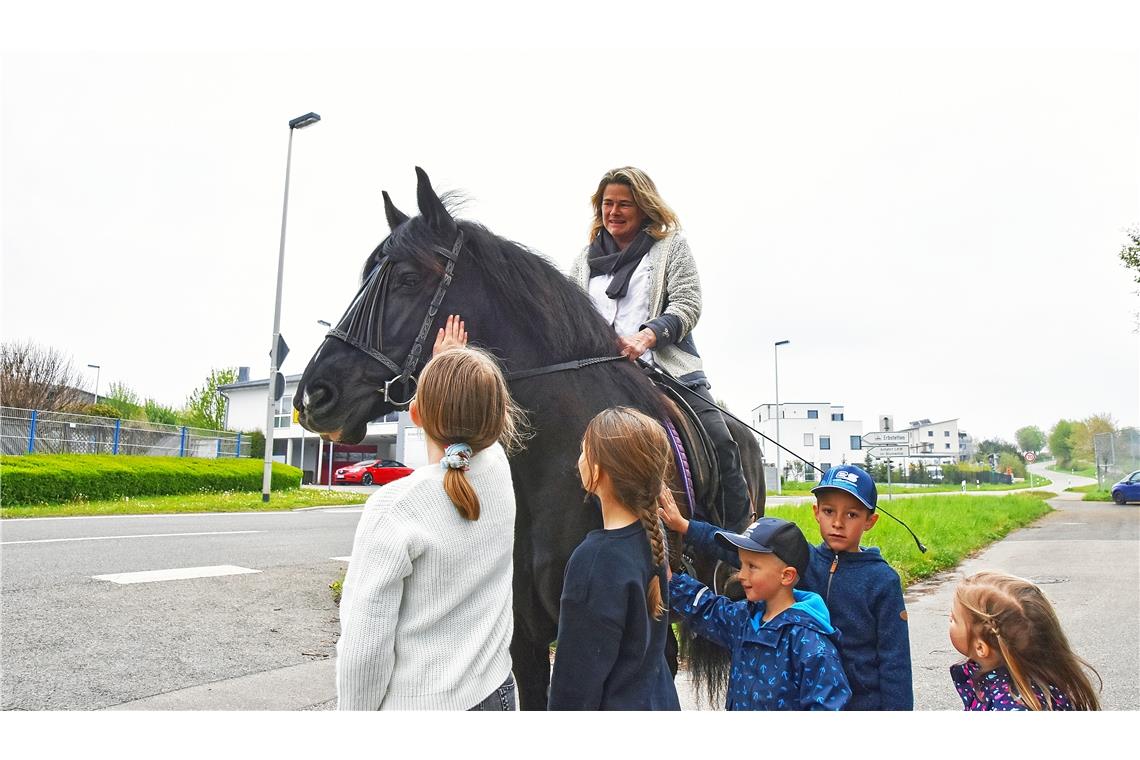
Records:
x=31, y=431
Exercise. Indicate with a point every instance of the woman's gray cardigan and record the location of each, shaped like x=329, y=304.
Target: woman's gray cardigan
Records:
x=674, y=303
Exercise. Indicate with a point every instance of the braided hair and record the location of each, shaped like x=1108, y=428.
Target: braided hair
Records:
x=633, y=451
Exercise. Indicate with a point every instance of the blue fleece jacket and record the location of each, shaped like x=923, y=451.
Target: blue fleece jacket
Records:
x=611, y=653
x=787, y=663
x=864, y=597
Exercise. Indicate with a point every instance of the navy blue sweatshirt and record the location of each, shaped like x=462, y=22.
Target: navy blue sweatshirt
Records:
x=611, y=654
x=864, y=597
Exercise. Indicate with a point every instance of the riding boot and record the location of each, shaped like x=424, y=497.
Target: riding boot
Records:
x=734, y=501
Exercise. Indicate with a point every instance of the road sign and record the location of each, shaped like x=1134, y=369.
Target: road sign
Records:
x=1030, y=456
x=872, y=439
x=278, y=386
x=882, y=452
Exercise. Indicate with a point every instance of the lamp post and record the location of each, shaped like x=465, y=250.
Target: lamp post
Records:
x=274, y=361
x=96, y=368
x=779, y=472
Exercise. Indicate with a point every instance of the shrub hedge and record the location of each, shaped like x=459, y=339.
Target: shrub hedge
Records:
x=54, y=478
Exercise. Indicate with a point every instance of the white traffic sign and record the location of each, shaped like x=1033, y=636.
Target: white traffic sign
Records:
x=1030, y=456
x=882, y=452
x=872, y=439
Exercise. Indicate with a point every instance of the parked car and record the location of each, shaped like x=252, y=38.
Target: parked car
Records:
x=371, y=471
x=1128, y=489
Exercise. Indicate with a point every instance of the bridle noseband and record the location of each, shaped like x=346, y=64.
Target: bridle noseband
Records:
x=358, y=321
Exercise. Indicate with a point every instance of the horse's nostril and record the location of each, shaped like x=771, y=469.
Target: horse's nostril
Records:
x=316, y=395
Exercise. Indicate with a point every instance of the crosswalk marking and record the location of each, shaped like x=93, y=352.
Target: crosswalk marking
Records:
x=140, y=535
x=174, y=574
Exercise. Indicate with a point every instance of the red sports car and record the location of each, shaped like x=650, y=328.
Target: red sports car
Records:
x=371, y=471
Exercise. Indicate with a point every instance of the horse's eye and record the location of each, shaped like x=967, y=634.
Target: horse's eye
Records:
x=409, y=280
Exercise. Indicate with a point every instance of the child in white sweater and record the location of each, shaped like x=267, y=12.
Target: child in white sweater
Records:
x=426, y=617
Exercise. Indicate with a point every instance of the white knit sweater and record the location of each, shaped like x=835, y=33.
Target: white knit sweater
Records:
x=425, y=616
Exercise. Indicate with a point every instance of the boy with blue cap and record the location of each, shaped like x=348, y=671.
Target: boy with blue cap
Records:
x=862, y=592
x=784, y=654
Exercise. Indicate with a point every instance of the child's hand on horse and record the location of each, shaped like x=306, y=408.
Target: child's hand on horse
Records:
x=670, y=513
x=452, y=335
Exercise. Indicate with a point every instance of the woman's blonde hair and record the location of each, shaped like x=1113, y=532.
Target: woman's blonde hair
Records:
x=633, y=451
x=1014, y=618
x=662, y=219
x=463, y=398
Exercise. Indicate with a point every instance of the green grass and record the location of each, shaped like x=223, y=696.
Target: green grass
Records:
x=951, y=527
x=227, y=501
x=797, y=488
x=1092, y=493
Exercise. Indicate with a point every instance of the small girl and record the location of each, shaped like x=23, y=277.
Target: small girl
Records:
x=426, y=617
x=613, y=617
x=1017, y=651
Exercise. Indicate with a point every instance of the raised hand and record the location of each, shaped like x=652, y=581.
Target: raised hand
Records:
x=670, y=513
x=452, y=335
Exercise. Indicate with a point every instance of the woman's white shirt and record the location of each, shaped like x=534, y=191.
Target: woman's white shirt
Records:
x=628, y=313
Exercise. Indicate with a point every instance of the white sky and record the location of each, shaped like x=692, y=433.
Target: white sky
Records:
x=936, y=231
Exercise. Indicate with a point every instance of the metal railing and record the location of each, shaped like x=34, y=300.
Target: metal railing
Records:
x=1117, y=454
x=30, y=431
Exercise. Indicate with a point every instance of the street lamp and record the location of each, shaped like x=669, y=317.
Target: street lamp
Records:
x=779, y=472
x=274, y=359
x=96, y=368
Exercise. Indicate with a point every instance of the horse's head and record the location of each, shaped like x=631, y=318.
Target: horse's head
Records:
x=367, y=365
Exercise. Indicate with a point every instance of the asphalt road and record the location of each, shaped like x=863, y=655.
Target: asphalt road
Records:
x=70, y=641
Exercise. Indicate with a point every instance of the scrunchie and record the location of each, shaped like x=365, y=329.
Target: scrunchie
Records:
x=457, y=456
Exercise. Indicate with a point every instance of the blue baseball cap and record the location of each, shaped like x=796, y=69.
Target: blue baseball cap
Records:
x=854, y=480
x=771, y=535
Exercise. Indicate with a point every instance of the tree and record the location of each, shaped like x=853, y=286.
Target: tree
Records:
x=1030, y=438
x=1060, y=443
x=206, y=406
x=1130, y=251
x=1085, y=432
x=160, y=413
x=995, y=446
x=37, y=377
x=122, y=398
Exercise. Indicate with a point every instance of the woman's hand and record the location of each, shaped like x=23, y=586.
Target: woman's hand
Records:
x=670, y=514
x=452, y=335
x=634, y=346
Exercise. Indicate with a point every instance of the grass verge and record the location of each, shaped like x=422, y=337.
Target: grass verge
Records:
x=951, y=527
x=804, y=489
x=1091, y=493
x=226, y=501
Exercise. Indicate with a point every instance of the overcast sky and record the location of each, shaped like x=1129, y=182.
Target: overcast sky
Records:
x=936, y=232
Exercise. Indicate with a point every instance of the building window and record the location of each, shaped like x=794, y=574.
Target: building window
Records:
x=825, y=466
x=856, y=443
x=837, y=416
x=947, y=445
x=809, y=439
x=929, y=433
x=283, y=411
x=825, y=443
x=813, y=414
x=945, y=433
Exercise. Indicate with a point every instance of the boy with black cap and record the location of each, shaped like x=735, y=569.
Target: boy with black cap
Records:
x=862, y=592
x=783, y=646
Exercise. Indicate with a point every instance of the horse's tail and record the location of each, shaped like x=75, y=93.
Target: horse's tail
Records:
x=709, y=666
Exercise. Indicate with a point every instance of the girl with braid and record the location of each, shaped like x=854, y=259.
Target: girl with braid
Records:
x=613, y=618
x=1018, y=656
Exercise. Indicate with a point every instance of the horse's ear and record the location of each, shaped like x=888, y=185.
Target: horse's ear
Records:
x=396, y=217
x=431, y=208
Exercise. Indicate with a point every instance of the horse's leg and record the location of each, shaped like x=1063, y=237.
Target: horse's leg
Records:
x=531, y=665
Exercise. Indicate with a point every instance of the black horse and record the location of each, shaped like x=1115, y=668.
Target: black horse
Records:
x=531, y=317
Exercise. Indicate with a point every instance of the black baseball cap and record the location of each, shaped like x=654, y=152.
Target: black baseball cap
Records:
x=771, y=535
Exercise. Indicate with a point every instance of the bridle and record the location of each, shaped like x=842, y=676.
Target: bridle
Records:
x=362, y=328
x=362, y=325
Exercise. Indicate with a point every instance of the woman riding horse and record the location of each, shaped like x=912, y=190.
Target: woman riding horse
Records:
x=642, y=277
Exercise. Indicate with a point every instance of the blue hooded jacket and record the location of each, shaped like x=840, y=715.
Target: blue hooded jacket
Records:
x=865, y=600
x=787, y=663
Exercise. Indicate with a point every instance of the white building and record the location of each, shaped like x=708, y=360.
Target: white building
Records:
x=818, y=432
x=391, y=437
